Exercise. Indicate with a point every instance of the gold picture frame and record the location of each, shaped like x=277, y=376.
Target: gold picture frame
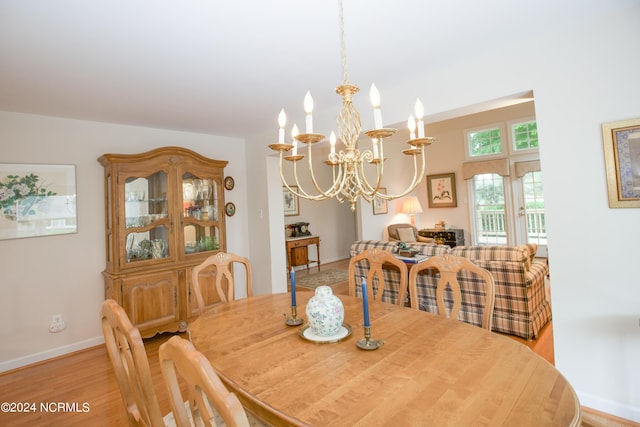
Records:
x=622, y=162
x=380, y=205
x=442, y=190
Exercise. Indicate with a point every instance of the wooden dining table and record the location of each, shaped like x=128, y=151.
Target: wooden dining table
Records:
x=430, y=370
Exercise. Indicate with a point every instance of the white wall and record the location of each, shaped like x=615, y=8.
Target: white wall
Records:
x=43, y=276
x=582, y=69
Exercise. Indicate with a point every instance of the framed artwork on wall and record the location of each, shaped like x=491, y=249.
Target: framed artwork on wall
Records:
x=290, y=200
x=229, y=183
x=37, y=200
x=622, y=162
x=442, y=190
x=380, y=205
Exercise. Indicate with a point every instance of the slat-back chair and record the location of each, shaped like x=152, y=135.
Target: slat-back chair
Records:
x=376, y=258
x=126, y=351
x=449, y=266
x=209, y=400
x=220, y=265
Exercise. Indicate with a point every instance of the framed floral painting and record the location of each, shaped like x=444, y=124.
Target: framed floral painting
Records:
x=37, y=200
x=442, y=190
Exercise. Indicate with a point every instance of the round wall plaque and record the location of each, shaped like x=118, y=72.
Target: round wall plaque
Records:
x=229, y=183
x=230, y=209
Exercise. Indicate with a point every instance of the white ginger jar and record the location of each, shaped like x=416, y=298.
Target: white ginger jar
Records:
x=325, y=312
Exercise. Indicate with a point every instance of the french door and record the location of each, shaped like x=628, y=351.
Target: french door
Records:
x=530, y=218
x=509, y=210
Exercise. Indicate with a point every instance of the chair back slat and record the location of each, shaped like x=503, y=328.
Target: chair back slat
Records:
x=220, y=264
x=449, y=294
x=375, y=276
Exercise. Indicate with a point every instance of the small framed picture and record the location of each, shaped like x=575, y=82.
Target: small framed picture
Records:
x=380, y=205
x=622, y=162
x=442, y=190
x=229, y=183
x=290, y=200
x=230, y=209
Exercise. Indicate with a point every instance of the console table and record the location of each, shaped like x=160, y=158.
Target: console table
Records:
x=452, y=236
x=298, y=252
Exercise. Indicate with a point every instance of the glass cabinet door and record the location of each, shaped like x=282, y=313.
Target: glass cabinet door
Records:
x=146, y=217
x=200, y=203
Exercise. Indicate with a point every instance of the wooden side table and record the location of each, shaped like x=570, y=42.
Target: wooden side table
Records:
x=298, y=252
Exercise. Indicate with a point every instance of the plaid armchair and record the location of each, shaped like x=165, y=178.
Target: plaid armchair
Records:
x=521, y=306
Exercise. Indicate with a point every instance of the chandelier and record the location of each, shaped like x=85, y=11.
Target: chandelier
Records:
x=348, y=164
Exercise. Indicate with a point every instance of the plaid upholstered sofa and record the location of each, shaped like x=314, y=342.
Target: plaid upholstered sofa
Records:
x=521, y=306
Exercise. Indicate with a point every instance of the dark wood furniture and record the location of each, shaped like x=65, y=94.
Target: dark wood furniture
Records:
x=430, y=369
x=298, y=251
x=452, y=237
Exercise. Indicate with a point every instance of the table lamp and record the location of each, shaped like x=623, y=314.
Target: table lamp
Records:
x=411, y=206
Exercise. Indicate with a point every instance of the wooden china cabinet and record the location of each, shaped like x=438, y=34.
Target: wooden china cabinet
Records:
x=164, y=215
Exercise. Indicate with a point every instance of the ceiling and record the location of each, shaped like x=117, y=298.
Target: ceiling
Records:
x=228, y=67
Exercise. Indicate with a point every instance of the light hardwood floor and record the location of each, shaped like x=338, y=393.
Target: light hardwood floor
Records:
x=87, y=377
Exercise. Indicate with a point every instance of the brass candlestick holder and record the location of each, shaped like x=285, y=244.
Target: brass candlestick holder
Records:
x=367, y=343
x=293, y=320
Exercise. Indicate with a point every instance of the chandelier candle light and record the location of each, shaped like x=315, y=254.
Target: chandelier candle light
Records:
x=349, y=180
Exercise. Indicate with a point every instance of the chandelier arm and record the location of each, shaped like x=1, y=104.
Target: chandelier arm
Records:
x=417, y=177
x=332, y=190
x=370, y=191
x=284, y=181
x=300, y=192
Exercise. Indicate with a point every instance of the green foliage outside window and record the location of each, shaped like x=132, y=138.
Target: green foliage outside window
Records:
x=485, y=142
x=525, y=135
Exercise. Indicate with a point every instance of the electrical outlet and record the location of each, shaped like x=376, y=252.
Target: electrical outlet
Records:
x=57, y=324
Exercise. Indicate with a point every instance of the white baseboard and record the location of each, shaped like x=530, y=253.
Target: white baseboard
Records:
x=627, y=412
x=48, y=354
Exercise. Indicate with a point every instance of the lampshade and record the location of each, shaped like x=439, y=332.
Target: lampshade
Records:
x=411, y=205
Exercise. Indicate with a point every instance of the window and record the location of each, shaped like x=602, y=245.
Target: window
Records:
x=489, y=206
x=484, y=142
x=536, y=228
x=524, y=135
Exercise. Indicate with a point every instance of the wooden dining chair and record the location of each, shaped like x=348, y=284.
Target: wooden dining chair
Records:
x=473, y=305
x=126, y=351
x=220, y=266
x=210, y=403
x=377, y=288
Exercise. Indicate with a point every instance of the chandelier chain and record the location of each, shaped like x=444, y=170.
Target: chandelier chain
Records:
x=343, y=47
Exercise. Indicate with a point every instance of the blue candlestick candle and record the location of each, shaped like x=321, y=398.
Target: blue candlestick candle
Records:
x=293, y=288
x=365, y=302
